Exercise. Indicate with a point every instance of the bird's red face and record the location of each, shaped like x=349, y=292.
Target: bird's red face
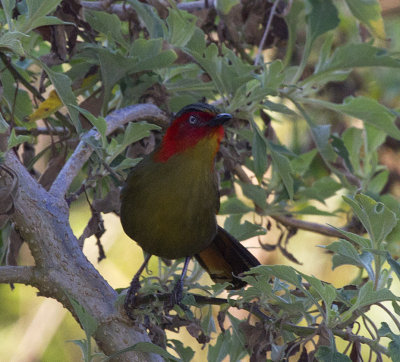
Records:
x=192, y=124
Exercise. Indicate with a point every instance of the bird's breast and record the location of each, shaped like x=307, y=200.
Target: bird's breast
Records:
x=169, y=208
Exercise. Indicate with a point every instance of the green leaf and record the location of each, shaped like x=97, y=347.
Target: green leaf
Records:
x=359, y=240
x=234, y=206
x=227, y=72
x=8, y=6
x=286, y=273
x=292, y=20
x=282, y=166
x=255, y=193
x=148, y=55
x=3, y=125
x=340, y=148
x=83, y=346
x=220, y=349
x=396, y=308
x=39, y=8
x=346, y=253
x=394, y=345
x=277, y=107
x=225, y=6
x=378, y=182
x=108, y=24
x=312, y=210
x=321, y=136
x=127, y=163
x=181, y=27
x=242, y=231
x=145, y=347
x=237, y=350
x=377, y=219
x=301, y=163
x=259, y=151
x=20, y=103
x=327, y=292
x=370, y=111
x=133, y=133
x=330, y=354
x=136, y=131
x=11, y=41
x=369, y=13
x=359, y=55
x=62, y=85
x=15, y=140
x=353, y=141
x=36, y=15
x=394, y=264
x=197, y=43
x=150, y=18
x=89, y=324
x=375, y=137
x=324, y=53
x=48, y=20
x=321, y=189
x=98, y=122
x=367, y=296
x=322, y=17
x=272, y=76
x=185, y=353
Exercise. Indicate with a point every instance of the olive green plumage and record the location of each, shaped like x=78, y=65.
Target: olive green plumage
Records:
x=169, y=207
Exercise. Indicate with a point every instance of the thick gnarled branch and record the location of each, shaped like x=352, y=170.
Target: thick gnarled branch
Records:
x=62, y=270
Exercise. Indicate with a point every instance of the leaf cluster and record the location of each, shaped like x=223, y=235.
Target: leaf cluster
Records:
x=65, y=66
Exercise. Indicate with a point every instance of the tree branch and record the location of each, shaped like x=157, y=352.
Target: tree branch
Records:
x=289, y=221
x=83, y=151
x=17, y=274
x=267, y=27
x=309, y=226
x=63, y=271
x=56, y=131
x=125, y=11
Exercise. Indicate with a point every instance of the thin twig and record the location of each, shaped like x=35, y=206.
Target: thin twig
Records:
x=18, y=76
x=165, y=297
x=348, y=336
x=289, y=221
x=83, y=151
x=48, y=131
x=17, y=274
x=266, y=31
x=309, y=226
x=395, y=320
x=124, y=11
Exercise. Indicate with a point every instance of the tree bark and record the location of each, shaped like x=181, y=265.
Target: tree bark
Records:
x=61, y=269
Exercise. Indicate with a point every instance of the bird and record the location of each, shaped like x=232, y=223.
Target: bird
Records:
x=170, y=200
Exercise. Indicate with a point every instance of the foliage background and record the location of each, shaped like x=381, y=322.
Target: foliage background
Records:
x=22, y=313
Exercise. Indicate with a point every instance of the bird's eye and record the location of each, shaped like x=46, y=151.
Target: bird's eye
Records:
x=193, y=120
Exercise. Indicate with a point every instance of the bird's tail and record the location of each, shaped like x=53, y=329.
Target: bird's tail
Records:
x=226, y=258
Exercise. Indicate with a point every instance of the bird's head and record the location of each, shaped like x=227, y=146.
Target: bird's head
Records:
x=191, y=124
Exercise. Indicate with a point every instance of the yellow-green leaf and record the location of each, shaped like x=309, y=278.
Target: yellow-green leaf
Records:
x=369, y=13
x=50, y=105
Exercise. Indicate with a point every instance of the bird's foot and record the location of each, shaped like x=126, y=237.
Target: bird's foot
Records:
x=177, y=296
x=129, y=303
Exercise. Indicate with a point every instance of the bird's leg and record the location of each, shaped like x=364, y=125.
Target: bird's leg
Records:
x=134, y=288
x=176, y=295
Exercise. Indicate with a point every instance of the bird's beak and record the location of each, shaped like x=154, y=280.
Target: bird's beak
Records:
x=220, y=119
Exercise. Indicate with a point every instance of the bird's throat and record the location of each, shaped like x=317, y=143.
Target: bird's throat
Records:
x=204, y=148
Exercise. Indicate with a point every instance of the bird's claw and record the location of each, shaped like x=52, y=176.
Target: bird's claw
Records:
x=129, y=303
